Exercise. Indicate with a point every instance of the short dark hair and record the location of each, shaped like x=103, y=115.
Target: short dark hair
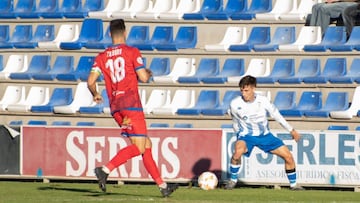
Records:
x=117, y=27
x=247, y=80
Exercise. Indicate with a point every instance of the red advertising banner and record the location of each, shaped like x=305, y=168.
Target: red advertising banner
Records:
x=76, y=151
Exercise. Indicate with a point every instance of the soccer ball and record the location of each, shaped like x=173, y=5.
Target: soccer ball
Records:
x=207, y=181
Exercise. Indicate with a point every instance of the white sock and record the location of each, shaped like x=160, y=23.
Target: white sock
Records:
x=105, y=169
x=163, y=185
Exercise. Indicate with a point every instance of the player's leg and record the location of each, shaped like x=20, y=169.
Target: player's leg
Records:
x=235, y=163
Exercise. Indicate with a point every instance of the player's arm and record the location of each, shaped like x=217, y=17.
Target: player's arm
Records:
x=91, y=83
x=143, y=74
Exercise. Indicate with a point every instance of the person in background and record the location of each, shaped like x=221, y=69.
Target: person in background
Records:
x=122, y=67
x=350, y=16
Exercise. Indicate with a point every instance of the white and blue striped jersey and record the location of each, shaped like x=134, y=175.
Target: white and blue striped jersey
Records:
x=250, y=118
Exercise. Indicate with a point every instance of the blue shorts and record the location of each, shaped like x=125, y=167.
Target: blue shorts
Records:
x=267, y=142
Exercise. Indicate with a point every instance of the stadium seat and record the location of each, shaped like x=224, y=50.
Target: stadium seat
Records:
x=85, y=123
x=81, y=72
x=16, y=123
x=43, y=33
x=309, y=101
x=280, y=7
x=184, y=6
x=181, y=67
x=37, y=122
x=183, y=125
x=338, y=127
x=352, y=43
x=59, y=97
x=159, y=125
x=159, y=7
x=7, y=9
x=208, y=6
x=139, y=36
x=208, y=67
x=15, y=63
x=38, y=64
x=333, y=35
x=160, y=66
x=21, y=34
x=257, y=68
x=91, y=30
x=82, y=97
x=105, y=41
x=134, y=8
x=1, y=63
x=350, y=76
x=186, y=38
x=258, y=35
x=336, y=101
x=233, y=67
x=5, y=37
x=161, y=37
x=222, y=108
x=157, y=98
x=207, y=99
x=307, y=68
x=282, y=35
x=282, y=68
x=61, y=123
x=232, y=36
x=62, y=65
x=352, y=110
x=357, y=128
x=77, y=10
x=111, y=6
x=66, y=33
x=182, y=99
x=232, y=6
x=308, y=35
x=48, y=9
x=25, y=9
x=227, y=125
x=259, y=6
x=37, y=96
x=13, y=94
x=333, y=67
x=301, y=12
x=285, y=100
x=96, y=108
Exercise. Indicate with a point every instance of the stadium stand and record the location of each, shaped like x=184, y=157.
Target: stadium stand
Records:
x=38, y=64
x=134, y=8
x=13, y=94
x=208, y=67
x=232, y=7
x=280, y=7
x=184, y=6
x=60, y=97
x=37, y=96
x=207, y=7
x=15, y=63
x=300, y=12
x=256, y=7
x=233, y=67
x=158, y=7
x=232, y=36
x=258, y=35
x=111, y=6
x=282, y=35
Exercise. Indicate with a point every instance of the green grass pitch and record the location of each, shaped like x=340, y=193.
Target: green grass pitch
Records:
x=39, y=192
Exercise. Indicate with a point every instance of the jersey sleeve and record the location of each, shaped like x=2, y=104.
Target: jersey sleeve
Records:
x=96, y=65
x=138, y=61
x=274, y=113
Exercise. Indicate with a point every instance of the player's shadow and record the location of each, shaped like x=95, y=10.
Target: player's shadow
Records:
x=203, y=165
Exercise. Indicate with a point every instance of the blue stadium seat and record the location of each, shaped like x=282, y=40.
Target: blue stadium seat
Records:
x=283, y=68
x=62, y=65
x=43, y=33
x=183, y=125
x=232, y=6
x=226, y=125
x=336, y=101
x=208, y=6
x=38, y=64
x=351, y=75
x=207, y=67
x=98, y=108
x=358, y=127
x=333, y=67
x=49, y=9
x=16, y=123
x=333, y=35
x=75, y=9
x=352, y=43
x=7, y=9
x=186, y=38
x=81, y=72
x=85, y=123
x=61, y=123
x=307, y=68
x=91, y=30
x=282, y=35
x=139, y=36
x=309, y=101
x=258, y=35
x=59, y=97
x=105, y=42
x=222, y=108
x=259, y=6
x=21, y=34
x=1, y=62
x=207, y=99
x=285, y=100
x=160, y=66
x=5, y=37
x=338, y=127
x=231, y=67
x=162, y=36
x=159, y=125
x=37, y=122
x=26, y=9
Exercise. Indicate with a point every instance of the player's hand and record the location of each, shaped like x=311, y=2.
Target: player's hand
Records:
x=149, y=72
x=98, y=98
x=295, y=135
x=126, y=123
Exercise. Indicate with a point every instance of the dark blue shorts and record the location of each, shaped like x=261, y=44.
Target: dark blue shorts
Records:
x=266, y=142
